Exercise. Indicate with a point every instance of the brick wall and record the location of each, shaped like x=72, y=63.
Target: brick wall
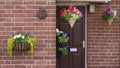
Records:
x=20, y=15
x=104, y=40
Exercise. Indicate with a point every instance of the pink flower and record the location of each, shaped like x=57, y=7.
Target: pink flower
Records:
x=73, y=9
x=79, y=13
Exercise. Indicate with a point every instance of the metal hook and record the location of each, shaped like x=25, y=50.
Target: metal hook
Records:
x=108, y=4
x=70, y=2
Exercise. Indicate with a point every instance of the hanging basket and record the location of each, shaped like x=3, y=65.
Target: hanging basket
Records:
x=110, y=21
x=21, y=46
x=72, y=22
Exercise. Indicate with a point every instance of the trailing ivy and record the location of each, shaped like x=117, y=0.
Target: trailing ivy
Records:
x=31, y=41
x=10, y=45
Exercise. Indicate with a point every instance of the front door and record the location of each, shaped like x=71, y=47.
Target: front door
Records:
x=76, y=58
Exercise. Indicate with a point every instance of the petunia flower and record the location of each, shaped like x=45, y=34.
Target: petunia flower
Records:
x=108, y=10
x=61, y=34
x=23, y=36
x=68, y=49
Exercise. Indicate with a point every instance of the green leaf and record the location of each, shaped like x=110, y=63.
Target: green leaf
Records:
x=63, y=50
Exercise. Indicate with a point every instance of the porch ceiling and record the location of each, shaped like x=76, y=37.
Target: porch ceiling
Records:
x=86, y=1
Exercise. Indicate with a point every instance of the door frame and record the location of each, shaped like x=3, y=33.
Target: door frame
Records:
x=86, y=36
x=85, y=5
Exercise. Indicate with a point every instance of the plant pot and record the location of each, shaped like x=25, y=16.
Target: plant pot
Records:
x=21, y=46
x=110, y=21
x=72, y=22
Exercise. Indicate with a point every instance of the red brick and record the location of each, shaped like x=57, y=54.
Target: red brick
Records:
x=38, y=66
x=1, y=62
x=17, y=28
x=50, y=66
x=20, y=15
x=38, y=57
x=18, y=11
x=29, y=3
x=20, y=7
x=8, y=7
x=7, y=66
x=16, y=62
x=17, y=3
x=41, y=3
x=20, y=66
x=28, y=62
x=20, y=24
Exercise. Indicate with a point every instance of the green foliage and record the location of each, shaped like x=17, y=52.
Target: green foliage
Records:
x=66, y=17
x=20, y=37
x=108, y=16
x=63, y=39
x=63, y=50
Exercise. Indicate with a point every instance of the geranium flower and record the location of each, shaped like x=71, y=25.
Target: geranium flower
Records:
x=71, y=12
x=62, y=11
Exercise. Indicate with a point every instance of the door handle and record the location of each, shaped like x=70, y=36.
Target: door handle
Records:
x=84, y=44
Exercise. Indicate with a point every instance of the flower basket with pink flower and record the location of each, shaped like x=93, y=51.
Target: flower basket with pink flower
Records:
x=71, y=14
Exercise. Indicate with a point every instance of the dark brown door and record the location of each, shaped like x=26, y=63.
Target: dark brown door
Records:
x=75, y=59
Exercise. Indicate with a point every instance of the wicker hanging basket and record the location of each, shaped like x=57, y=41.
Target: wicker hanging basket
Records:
x=21, y=46
x=110, y=21
x=72, y=22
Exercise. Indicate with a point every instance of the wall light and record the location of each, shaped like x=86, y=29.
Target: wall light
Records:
x=92, y=8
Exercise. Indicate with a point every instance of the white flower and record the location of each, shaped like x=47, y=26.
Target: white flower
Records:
x=23, y=36
x=57, y=30
x=15, y=36
x=18, y=36
x=115, y=12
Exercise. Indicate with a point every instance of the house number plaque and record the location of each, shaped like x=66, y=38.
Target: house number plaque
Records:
x=41, y=13
x=73, y=49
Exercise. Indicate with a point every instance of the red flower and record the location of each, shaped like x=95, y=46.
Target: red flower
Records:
x=67, y=13
x=71, y=8
x=62, y=11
